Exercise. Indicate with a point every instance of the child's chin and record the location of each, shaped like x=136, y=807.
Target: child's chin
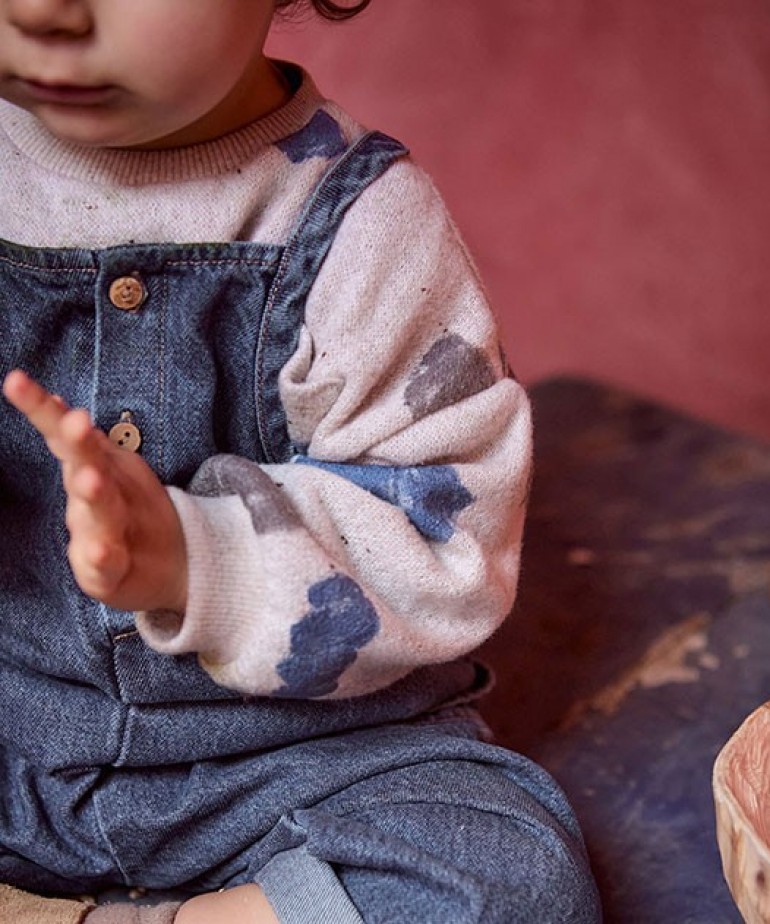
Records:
x=90, y=129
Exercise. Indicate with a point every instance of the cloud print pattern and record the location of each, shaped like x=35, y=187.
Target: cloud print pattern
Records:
x=429, y=495
x=326, y=640
x=391, y=540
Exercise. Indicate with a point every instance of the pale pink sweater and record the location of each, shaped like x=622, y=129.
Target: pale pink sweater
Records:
x=397, y=389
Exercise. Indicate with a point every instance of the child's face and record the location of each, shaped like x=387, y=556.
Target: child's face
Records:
x=125, y=73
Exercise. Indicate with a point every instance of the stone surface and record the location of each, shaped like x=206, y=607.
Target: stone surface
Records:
x=639, y=640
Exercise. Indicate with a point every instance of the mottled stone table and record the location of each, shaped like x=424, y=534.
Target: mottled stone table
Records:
x=641, y=636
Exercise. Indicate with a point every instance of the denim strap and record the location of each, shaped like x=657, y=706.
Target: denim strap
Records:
x=362, y=163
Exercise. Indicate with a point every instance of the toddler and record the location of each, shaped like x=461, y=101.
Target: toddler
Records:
x=263, y=479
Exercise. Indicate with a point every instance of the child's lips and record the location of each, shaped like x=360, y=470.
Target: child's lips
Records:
x=64, y=94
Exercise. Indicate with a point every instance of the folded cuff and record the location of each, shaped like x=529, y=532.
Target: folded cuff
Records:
x=305, y=890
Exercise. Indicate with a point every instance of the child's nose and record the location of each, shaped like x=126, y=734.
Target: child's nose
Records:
x=50, y=17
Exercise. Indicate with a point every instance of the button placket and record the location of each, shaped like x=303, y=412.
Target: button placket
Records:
x=127, y=293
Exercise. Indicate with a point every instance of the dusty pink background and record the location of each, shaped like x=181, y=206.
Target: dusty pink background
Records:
x=608, y=162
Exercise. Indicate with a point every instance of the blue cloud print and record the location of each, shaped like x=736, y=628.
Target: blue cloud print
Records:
x=321, y=137
x=326, y=641
x=431, y=496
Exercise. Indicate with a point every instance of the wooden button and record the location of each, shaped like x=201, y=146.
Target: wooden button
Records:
x=127, y=293
x=126, y=434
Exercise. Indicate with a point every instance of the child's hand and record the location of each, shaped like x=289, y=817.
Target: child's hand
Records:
x=126, y=543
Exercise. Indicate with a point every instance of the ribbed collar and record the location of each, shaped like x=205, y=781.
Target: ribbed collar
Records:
x=137, y=168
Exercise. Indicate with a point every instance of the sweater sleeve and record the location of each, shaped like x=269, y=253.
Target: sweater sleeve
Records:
x=392, y=539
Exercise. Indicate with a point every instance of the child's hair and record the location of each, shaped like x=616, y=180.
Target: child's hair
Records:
x=328, y=8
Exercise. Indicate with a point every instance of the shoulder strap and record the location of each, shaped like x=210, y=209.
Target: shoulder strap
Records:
x=362, y=163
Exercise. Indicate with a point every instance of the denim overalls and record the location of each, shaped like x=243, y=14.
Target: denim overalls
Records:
x=120, y=766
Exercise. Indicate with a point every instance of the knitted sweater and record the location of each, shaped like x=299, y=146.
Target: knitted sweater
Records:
x=393, y=540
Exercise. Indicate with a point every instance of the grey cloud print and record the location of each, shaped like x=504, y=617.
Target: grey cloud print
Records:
x=226, y=475
x=450, y=371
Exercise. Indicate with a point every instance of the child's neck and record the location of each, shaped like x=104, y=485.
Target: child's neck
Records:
x=262, y=91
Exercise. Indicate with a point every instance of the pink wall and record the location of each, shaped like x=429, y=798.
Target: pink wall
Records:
x=608, y=162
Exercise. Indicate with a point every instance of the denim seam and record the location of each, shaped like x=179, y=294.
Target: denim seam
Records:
x=161, y=397
x=106, y=635
x=56, y=270
x=260, y=262
x=264, y=263
x=288, y=256
x=331, y=207
x=125, y=733
x=98, y=794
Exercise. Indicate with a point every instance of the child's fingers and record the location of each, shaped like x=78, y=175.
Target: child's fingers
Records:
x=96, y=520
x=70, y=435
x=77, y=442
x=95, y=504
x=40, y=407
x=98, y=565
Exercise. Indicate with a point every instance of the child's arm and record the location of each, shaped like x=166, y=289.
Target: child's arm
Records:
x=389, y=542
x=126, y=543
x=392, y=538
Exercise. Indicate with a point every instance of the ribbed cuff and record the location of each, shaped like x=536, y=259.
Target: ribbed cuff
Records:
x=305, y=890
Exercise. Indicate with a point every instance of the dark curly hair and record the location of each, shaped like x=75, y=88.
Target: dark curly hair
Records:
x=328, y=8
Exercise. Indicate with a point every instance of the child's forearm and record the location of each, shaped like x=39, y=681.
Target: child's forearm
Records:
x=304, y=582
